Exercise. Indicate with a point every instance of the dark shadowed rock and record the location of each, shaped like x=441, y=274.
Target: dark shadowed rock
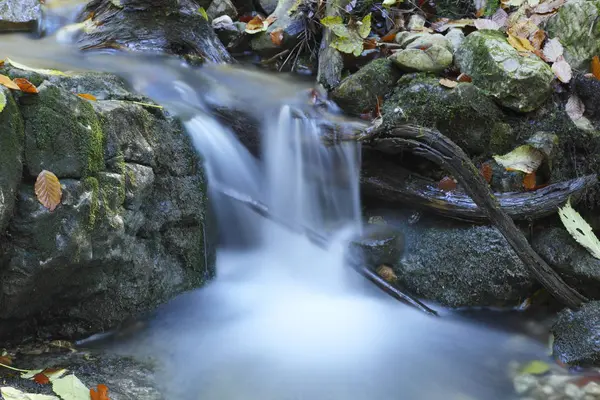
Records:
x=577, y=335
x=19, y=15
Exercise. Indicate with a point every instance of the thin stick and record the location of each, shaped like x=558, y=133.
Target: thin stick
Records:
x=15, y=369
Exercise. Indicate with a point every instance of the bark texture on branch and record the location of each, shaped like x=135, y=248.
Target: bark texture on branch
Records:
x=436, y=147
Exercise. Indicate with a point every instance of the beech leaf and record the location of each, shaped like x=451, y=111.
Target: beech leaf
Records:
x=25, y=85
x=524, y=158
x=579, y=229
x=70, y=388
x=553, y=50
x=448, y=83
x=10, y=393
x=520, y=44
x=256, y=25
x=48, y=190
x=277, y=37
x=6, y=81
x=100, y=394
x=562, y=70
x=486, y=24
x=574, y=108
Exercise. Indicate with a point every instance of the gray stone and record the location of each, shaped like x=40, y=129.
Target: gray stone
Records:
x=521, y=83
x=379, y=245
x=19, y=15
x=410, y=40
x=455, y=37
x=268, y=5
x=575, y=26
x=218, y=8
x=577, y=335
x=433, y=59
x=358, y=93
x=571, y=260
x=416, y=22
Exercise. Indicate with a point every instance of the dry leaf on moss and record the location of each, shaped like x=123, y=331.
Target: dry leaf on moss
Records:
x=48, y=190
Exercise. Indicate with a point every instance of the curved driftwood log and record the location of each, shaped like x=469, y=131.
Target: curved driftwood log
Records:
x=394, y=184
x=436, y=147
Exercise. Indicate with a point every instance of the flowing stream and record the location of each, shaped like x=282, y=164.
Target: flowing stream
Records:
x=286, y=319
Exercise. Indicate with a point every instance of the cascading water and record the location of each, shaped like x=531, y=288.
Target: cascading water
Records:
x=285, y=318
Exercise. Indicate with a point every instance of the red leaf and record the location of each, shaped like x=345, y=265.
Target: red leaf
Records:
x=486, y=171
x=447, y=184
x=389, y=38
x=41, y=379
x=596, y=67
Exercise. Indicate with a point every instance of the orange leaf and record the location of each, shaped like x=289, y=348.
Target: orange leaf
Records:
x=41, y=379
x=256, y=24
x=25, y=85
x=270, y=19
x=48, y=190
x=529, y=181
x=277, y=37
x=447, y=184
x=486, y=171
x=596, y=67
x=6, y=360
x=100, y=394
x=5, y=81
x=369, y=44
x=87, y=96
x=464, y=78
x=389, y=38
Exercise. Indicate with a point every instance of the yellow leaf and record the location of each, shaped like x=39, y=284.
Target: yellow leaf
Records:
x=519, y=43
x=87, y=96
x=579, y=229
x=202, y=12
x=48, y=190
x=535, y=367
x=6, y=81
x=39, y=71
x=596, y=67
x=524, y=158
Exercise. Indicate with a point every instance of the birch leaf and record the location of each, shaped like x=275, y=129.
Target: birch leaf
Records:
x=524, y=158
x=10, y=393
x=48, y=190
x=70, y=388
x=579, y=229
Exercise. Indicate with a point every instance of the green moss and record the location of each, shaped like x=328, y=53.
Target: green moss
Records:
x=10, y=121
x=491, y=7
x=92, y=141
x=92, y=184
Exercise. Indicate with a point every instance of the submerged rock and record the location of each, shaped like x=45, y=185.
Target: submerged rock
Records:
x=516, y=82
x=358, y=93
x=577, y=335
x=464, y=114
x=575, y=26
x=380, y=244
x=571, y=260
x=19, y=15
x=131, y=231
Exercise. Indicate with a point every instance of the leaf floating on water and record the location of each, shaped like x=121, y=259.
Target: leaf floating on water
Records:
x=48, y=190
x=26, y=86
x=562, y=70
x=70, y=388
x=524, y=158
x=100, y=394
x=256, y=25
x=579, y=229
x=596, y=67
x=54, y=373
x=10, y=393
x=448, y=83
x=6, y=81
x=535, y=367
x=87, y=96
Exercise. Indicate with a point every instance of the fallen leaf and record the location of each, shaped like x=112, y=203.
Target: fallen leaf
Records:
x=270, y=19
x=370, y=44
x=25, y=85
x=70, y=388
x=389, y=38
x=448, y=83
x=596, y=67
x=48, y=190
x=277, y=36
x=246, y=18
x=535, y=367
x=87, y=96
x=387, y=273
x=444, y=24
x=389, y=3
x=520, y=44
x=522, y=27
x=553, y=50
x=348, y=38
x=41, y=379
x=538, y=38
x=447, y=184
x=30, y=374
x=486, y=24
x=579, y=229
x=529, y=181
x=100, y=394
x=562, y=70
x=464, y=78
x=202, y=12
x=10, y=393
x=6, y=360
x=6, y=81
x=524, y=158
x=486, y=172
x=549, y=6
x=256, y=25
x=38, y=70
x=574, y=107
x=54, y=373
x=500, y=17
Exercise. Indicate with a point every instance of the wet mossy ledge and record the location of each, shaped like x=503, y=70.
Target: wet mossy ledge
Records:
x=132, y=230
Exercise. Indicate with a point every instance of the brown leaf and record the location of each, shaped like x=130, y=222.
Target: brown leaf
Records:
x=256, y=24
x=277, y=37
x=538, y=38
x=25, y=85
x=486, y=172
x=529, y=181
x=596, y=67
x=464, y=78
x=447, y=184
x=387, y=273
x=48, y=190
x=370, y=44
x=6, y=81
x=448, y=83
x=562, y=70
x=41, y=379
x=6, y=360
x=389, y=38
x=100, y=394
x=87, y=96
x=270, y=19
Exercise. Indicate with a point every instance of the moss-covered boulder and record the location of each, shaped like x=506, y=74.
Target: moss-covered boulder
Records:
x=575, y=26
x=11, y=150
x=521, y=83
x=132, y=229
x=434, y=58
x=358, y=93
x=464, y=114
x=577, y=335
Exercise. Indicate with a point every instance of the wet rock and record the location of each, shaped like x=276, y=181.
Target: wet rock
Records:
x=464, y=114
x=358, y=93
x=455, y=37
x=11, y=156
x=416, y=22
x=571, y=260
x=433, y=59
x=219, y=8
x=228, y=32
x=268, y=5
x=574, y=25
x=577, y=335
x=516, y=82
x=410, y=40
x=19, y=15
x=380, y=244
x=290, y=25
x=588, y=90
x=131, y=231
x=461, y=265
